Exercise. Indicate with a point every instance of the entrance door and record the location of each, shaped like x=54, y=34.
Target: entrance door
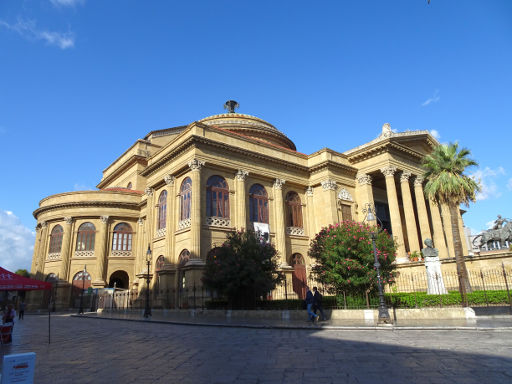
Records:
x=299, y=278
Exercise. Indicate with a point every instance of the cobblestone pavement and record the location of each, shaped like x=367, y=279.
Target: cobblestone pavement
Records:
x=85, y=350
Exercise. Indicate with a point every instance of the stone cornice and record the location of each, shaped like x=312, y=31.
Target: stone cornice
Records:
x=386, y=146
x=86, y=204
x=332, y=164
x=122, y=168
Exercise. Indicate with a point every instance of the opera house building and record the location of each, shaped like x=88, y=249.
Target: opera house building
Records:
x=178, y=191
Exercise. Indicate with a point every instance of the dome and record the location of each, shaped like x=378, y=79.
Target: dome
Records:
x=250, y=126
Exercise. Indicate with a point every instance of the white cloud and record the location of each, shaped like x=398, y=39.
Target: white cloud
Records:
x=435, y=133
x=67, y=3
x=28, y=30
x=16, y=243
x=434, y=99
x=487, y=177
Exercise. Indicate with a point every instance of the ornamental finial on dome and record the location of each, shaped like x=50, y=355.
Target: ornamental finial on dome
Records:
x=231, y=105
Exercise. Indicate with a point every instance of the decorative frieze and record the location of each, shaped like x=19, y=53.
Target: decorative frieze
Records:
x=121, y=253
x=184, y=224
x=343, y=194
x=84, y=253
x=298, y=231
x=160, y=233
x=196, y=165
x=54, y=256
x=149, y=191
x=218, y=222
x=169, y=179
x=388, y=171
x=329, y=185
x=278, y=184
x=364, y=179
x=309, y=191
x=104, y=219
x=404, y=177
x=241, y=174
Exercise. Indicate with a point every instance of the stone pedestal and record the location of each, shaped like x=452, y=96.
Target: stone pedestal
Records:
x=434, y=276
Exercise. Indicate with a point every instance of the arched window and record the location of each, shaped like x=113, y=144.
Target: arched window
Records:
x=183, y=258
x=122, y=239
x=299, y=278
x=162, y=209
x=129, y=186
x=56, y=239
x=160, y=261
x=294, y=210
x=258, y=204
x=82, y=280
x=85, y=237
x=185, y=196
x=217, y=197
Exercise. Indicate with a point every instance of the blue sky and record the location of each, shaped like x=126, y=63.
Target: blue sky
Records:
x=80, y=81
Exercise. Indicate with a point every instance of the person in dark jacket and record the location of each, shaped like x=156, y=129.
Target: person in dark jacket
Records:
x=309, y=305
x=317, y=303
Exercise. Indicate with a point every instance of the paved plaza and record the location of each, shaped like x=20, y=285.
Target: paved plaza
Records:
x=88, y=350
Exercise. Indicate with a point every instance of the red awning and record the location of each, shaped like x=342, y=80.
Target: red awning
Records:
x=12, y=282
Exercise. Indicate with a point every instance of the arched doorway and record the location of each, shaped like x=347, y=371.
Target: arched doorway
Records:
x=81, y=281
x=182, y=284
x=120, y=279
x=299, y=279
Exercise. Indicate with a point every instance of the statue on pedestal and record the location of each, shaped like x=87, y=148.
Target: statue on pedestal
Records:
x=433, y=266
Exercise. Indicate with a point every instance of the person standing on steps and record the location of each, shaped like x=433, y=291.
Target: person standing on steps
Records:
x=309, y=305
x=317, y=303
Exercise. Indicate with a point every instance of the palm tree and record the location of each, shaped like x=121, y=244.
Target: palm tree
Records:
x=447, y=184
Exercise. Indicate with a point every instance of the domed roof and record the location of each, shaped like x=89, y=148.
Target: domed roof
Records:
x=250, y=126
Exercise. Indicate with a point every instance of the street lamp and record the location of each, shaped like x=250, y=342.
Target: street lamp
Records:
x=81, y=309
x=147, y=310
x=383, y=309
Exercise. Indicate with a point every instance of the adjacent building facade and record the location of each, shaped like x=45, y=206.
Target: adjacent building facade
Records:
x=178, y=191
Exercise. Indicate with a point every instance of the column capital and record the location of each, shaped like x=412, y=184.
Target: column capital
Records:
x=68, y=220
x=404, y=177
x=278, y=184
x=241, y=174
x=309, y=191
x=329, y=185
x=196, y=164
x=169, y=179
x=149, y=191
x=364, y=179
x=388, y=171
x=418, y=181
x=104, y=219
x=43, y=224
x=140, y=221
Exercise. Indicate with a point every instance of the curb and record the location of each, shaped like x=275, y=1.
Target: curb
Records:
x=312, y=327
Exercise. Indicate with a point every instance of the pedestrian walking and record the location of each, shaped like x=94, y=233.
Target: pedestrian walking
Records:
x=317, y=303
x=309, y=305
x=8, y=324
x=21, y=310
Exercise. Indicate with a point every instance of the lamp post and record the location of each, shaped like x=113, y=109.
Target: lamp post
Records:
x=147, y=310
x=383, y=309
x=81, y=309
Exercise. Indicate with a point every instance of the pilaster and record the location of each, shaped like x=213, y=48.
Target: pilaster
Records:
x=280, y=224
x=329, y=187
x=364, y=192
x=241, y=210
x=195, y=166
x=101, y=252
x=410, y=220
x=65, y=250
x=170, y=185
x=34, y=269
x=394, y=212
x=310, y=209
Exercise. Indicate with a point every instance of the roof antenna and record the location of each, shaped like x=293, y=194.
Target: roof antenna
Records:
x=231, y=105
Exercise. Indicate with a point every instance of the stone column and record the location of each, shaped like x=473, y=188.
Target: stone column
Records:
x=330, y=202
x=437, y=227
x=65, y=250
x=310, y=209
x=394, y=212
x=170, y=215
x=150, y=213
x=140, y=252
x=364, y=192
x=240, y=197
x=422, y=209
x=195, y=208
x=447, y=226
x=35, y=256
x=280, y=222
x=410, y=220
x=463, y=239
x=101, y=253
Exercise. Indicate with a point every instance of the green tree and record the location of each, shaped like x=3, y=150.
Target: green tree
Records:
x=242, y=269
x=344, y=259
x=22, y=272
x=447, y=184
